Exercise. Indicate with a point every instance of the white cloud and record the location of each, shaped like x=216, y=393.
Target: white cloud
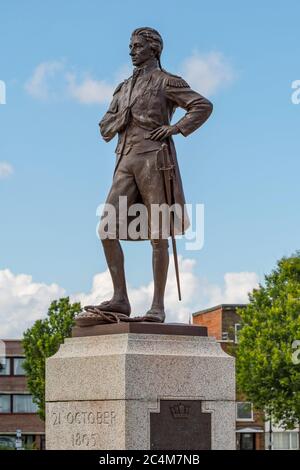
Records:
x=207, y=73
x=56, y=80
x=42, y=84
x=89, y=91
x=23, y=301
x=235, y=288
x=6, y=170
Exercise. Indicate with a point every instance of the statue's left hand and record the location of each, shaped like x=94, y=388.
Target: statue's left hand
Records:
x=162, y=132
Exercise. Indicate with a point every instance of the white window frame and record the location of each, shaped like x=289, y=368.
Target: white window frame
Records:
x=236, y=337
x=225, y=336
x=290, y=433
x=244, y=419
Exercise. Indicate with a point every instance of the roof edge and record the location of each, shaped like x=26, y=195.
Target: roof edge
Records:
x=217, y=307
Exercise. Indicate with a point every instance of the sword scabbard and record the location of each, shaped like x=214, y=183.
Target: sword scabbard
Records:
x=166, y=165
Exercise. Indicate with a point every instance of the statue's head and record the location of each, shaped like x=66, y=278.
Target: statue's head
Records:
x=144, y=44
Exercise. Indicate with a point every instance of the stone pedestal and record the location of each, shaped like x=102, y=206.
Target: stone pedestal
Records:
x=140, y=386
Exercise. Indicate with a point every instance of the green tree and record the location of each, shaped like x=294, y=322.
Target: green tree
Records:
x=268, y=369
x=42, y=340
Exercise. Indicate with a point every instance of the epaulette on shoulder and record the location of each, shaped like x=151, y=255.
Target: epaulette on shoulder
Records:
x=176, y=81
x=118, y=87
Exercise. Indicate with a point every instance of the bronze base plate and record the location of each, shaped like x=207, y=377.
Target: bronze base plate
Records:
x=140, y=327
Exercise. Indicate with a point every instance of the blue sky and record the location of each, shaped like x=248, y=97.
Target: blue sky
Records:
x=243, y=164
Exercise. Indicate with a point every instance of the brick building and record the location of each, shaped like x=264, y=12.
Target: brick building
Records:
x=17, y=410
x=252, y=433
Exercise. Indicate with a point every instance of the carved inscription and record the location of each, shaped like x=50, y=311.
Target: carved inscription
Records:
x=84, y=417
x=79, y=426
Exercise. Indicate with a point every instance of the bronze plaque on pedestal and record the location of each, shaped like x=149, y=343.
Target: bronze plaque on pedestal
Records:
x=180, y=425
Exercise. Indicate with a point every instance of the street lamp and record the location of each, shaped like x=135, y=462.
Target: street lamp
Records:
x=270, y=435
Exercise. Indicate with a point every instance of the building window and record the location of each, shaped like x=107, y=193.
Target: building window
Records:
x=23, y=404
x=284, y=440
x=5, y=404
x=18, y=366
x=4, y=366
x=294, y=440
x=237, y=329
x=7, y=442
x=244, y=411
x=17, y=403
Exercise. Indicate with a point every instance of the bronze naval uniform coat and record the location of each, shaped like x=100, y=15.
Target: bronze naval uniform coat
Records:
x=150, y=102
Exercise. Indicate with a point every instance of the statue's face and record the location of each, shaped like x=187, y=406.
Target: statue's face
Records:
x=140, y=50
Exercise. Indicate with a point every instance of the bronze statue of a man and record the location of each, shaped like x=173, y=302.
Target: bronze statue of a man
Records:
x=140, y=113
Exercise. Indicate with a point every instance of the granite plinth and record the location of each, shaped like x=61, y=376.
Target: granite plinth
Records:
x=102, y=389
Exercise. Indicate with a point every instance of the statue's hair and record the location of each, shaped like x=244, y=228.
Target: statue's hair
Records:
x=154, y=38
